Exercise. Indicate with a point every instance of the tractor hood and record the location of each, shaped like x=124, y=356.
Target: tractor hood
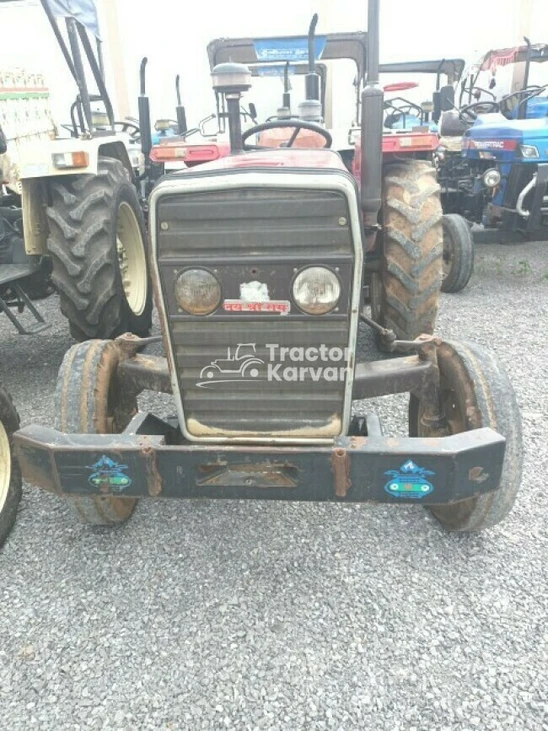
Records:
x=493, y=136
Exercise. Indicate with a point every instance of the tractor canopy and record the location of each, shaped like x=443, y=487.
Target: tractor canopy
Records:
x=411, y=111
x=452, y=68
x=271, y=57
x=500, y=58
x=259, y=53
x=537, y=53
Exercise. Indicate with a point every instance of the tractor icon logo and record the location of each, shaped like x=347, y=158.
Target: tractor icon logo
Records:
x=409, y=481
x=243, y=365
x=108, y=476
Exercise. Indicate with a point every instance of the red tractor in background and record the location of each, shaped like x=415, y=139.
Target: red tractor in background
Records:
x=402, y=280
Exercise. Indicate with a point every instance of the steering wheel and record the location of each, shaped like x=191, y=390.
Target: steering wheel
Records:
x=470, y=112
x=296, y=124
x=404, y=107
x=275, y=116
x=514, y=100
x=479, y=90
x=128, y=125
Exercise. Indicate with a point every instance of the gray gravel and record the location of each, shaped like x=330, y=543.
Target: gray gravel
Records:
x=235, y=615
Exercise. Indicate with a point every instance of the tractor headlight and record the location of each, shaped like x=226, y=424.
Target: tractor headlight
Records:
x=316, y=290
x=491, y=178
x=197, y=291
x=530, y=152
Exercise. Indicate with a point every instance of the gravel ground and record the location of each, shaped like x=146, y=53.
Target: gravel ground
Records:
x=248, y=615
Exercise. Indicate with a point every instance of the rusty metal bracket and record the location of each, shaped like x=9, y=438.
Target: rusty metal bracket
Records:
x=145, y=372
x=341, y=471
x=154, y=478
x=433, y=417
x=131, y=344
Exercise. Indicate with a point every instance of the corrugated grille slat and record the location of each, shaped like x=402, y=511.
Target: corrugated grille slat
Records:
x=223, y=393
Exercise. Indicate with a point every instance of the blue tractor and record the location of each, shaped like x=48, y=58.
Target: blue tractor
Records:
x=498, y=180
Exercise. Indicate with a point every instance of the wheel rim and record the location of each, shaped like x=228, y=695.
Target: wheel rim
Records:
x=448, y=256
x=131, y=259
x=5, y=465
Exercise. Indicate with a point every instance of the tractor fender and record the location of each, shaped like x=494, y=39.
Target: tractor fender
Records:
x=36, y=168
x=36, y=160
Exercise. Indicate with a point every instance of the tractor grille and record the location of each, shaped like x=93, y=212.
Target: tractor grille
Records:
x=518, y=178
x=231, y=383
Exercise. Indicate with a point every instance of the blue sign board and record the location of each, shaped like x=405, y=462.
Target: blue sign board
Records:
x=288, y=49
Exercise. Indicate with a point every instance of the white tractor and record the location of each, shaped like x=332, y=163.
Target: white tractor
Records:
x=75, y=191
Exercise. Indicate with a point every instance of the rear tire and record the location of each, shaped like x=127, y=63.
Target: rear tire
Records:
x=97, y=245
x=10, y=475
x=405, y=294
x=87, y=401
x=458, y=253
x=475, y=393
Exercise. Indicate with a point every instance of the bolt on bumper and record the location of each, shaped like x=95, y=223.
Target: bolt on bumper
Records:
x=141, y=462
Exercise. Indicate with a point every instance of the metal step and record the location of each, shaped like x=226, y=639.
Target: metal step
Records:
x=13, y=272
x=23, y=303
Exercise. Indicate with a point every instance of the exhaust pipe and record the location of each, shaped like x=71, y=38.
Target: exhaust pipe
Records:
x=182, y=128
x=522, y=108
x=144, y=115
x=312, y=79
x=372, y=129
x=286, y=103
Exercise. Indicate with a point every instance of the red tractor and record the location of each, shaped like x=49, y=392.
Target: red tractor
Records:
x=268, y=247
x=395, y=272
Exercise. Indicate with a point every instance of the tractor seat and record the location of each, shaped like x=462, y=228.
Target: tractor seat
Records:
x=451, y=125
x=277, y=137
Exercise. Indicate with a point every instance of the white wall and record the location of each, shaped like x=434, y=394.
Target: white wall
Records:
x=174, y=35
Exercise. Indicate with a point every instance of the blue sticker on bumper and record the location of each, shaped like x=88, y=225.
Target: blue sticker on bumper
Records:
x=409, y=482
x=108, y=476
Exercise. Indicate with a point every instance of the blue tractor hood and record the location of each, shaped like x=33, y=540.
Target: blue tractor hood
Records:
x=502, y=138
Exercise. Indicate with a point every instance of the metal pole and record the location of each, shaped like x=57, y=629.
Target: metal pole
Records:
x=372, y=129
x=59, y=38
x=523, y=13
x=80, y=72
x=96, y=70
x=234, y=122
x=100, y=57
x=373, y=33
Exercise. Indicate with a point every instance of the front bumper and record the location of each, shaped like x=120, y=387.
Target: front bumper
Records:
x=141, y=462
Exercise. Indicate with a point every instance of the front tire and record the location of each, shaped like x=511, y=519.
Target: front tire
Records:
x=475, y=393
x=10, y=475
x=458, y=253
x=405, y=293
x=87, y=400
x=97, y=245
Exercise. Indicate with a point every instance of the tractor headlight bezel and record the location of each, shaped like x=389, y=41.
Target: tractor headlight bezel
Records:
x=316, y=290
x=197, y=291
x=492, y=178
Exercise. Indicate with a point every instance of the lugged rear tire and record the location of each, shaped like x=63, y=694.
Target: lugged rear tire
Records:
x=97, y=245
x=405, y=293
x=86, y=402
x=10, y=474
